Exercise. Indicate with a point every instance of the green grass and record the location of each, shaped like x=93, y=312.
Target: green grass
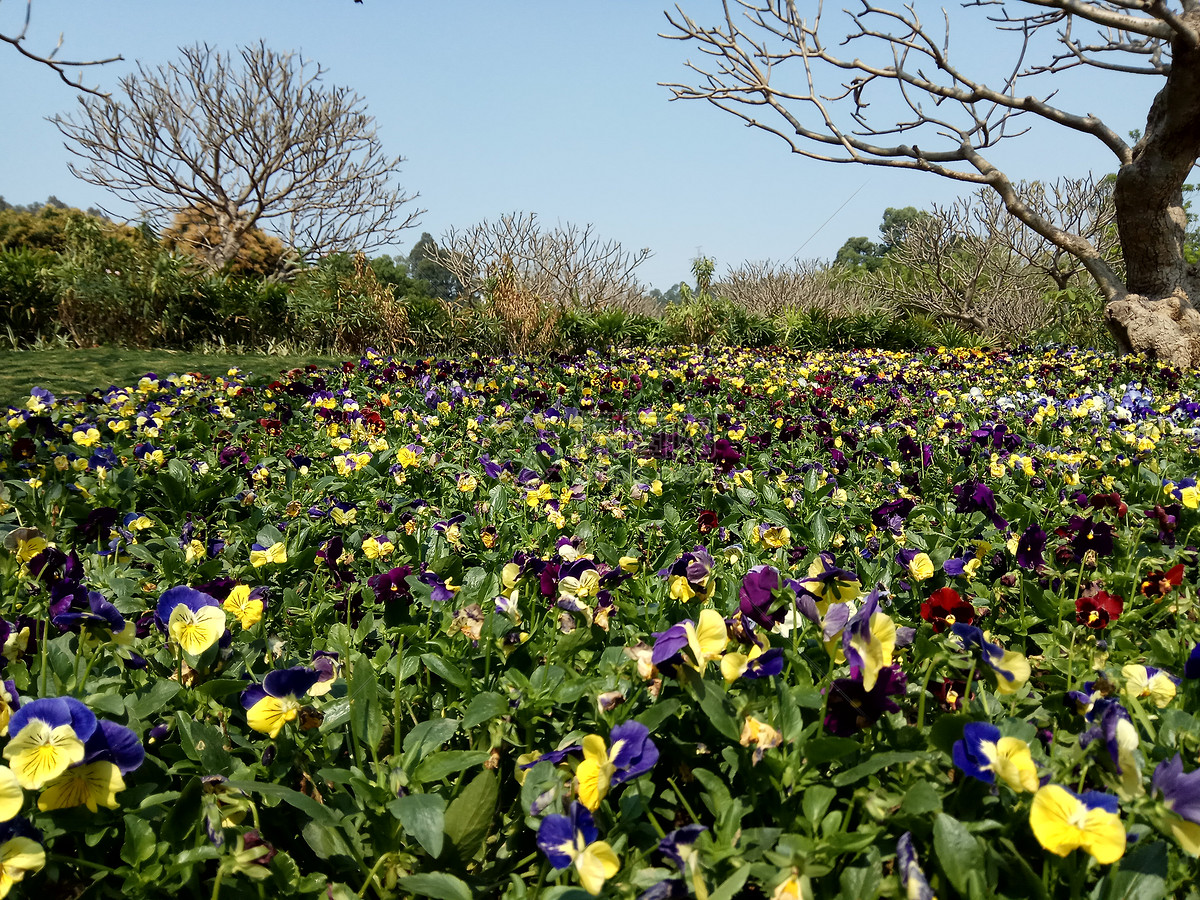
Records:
x=67, y=371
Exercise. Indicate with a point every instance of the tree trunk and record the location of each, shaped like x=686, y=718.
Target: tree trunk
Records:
x=232, y=228
x=1156, y=314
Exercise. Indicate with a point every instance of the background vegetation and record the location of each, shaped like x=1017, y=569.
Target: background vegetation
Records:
x=933, y=278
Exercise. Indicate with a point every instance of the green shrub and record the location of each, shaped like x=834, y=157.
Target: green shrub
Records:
x=29, y=310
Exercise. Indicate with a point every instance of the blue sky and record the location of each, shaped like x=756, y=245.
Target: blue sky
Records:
x=551, y=107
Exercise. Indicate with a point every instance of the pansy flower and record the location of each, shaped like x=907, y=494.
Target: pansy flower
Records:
x=391, y=585
x=759, y=734
x=630, y=753
x=100, y=613
x=328, y=667
x=1011, y=668
x=851, y=707
x=26, y=543
x=1112, y=724
x=48, y=736
x=704, y=639
x=945, y=607
x=192, y=619
x=1181, y=796
x=983, y=754
x=919, y=566
x=571, y=840
x=246, y=604
x=111, y=752
x=579, y=582
x=969, y=563
x=827, y=583
x=1147, y=681
x=443, y=590
x=1191, y=669
x=10, y=701
x=276, y=701
x=1158, y=584
x=869, y=641
x=1030, y=547
x=21, y=853
x=757, y=662
x=975, y=496
x=691, y=576
x=1063, y=821
x=679, y=846
x=760, y=598
x=1097, y=608
x=261, y=555
x=1088, y=535
x=912, y=877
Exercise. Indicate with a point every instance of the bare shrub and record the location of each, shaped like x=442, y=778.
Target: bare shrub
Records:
x=772, y=289
x=568, y=264
x=973, y=264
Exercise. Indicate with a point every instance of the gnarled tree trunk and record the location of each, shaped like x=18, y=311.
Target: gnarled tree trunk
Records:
x=1157, y=313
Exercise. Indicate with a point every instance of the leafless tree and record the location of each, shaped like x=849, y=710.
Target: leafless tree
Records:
x=51, y=59
x=952, y=120
x=771, y=288
x=567, y=264
x=973, y=263
x=251, y=139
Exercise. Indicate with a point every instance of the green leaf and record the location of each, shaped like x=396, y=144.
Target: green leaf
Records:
x=485, y=706
x=728, y=889
x=659, y=713
x=820, y=531
x=826, y=749
x=718, y=798
x=320, y=814
x=439, y=885
x=366, y=713
x=445, y=671
x=139, y=841
x=712, y=702
x=337, y=714
x=861, y=882
x=957, y=850
x=217, y=689
x=469, y=817
x=203, y=743
x=948, y=729
x=325, y=841
x=424, y=817
x=438, y=765
x=285, y=870
x=183, y=814
x=921, y=799
x=874, y=764
x=425, y=737
x=1142, y=875
x=816, y=802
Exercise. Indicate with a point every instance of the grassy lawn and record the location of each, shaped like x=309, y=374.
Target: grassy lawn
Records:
x=78, y=371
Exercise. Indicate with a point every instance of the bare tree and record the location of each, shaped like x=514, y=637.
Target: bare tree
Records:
x=567, y=264
x=51, y=59
x=771, y=289
x=950, y=120
x=252, y=139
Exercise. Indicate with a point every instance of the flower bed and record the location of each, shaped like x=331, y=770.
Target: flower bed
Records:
x=702, y=623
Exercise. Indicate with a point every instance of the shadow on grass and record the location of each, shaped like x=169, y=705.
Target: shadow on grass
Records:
x=77, y=371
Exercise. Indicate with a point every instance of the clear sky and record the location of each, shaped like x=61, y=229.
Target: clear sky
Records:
x=550, y=106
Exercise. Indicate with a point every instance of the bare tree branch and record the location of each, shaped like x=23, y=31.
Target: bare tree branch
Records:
x=568, y=264
x=255, y=139
x=51, y=59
